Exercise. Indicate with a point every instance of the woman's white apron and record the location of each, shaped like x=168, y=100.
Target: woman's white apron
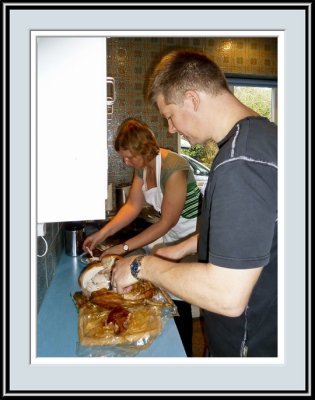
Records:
x=154, y=196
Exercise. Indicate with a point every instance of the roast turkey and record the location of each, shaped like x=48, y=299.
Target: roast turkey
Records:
x=96, y=275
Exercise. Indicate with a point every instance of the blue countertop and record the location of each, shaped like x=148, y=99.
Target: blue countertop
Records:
x=57, y=323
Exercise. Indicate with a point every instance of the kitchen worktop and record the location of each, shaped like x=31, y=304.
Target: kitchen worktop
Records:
x=57, y=323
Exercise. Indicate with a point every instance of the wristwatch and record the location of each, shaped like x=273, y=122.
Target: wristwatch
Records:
x=125, y=247
x=135, y=266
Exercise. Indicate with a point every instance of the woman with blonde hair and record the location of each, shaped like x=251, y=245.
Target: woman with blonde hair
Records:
x=163, y=179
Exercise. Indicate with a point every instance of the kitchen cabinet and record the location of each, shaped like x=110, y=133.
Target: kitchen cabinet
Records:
x=69, y=126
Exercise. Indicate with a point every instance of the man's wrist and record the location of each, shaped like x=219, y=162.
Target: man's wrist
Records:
x=136, y=267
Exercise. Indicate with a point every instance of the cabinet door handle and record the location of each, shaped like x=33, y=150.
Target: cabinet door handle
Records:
x=111, y=94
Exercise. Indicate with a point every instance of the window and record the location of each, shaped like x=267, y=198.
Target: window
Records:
x=260, y=94
x=198, y=167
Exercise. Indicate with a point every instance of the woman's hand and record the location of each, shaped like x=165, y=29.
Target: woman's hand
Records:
x=92, y=240
x=118, y=249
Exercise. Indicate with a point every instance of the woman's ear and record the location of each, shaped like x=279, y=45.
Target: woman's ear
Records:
x=193, y=96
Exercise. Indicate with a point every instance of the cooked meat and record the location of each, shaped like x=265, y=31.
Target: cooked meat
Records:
x=106, y=299
x=96, y=275
x=119, y=317
x=140, y=290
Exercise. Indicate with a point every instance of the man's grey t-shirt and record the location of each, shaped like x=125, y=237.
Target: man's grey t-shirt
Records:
x=239, y=230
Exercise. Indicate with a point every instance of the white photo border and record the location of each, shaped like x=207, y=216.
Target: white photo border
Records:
x=126, y=360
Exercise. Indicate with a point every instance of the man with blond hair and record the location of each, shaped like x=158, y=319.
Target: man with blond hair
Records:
x=235, y=278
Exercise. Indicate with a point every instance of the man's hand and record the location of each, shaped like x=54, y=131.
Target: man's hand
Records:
x=122, y=279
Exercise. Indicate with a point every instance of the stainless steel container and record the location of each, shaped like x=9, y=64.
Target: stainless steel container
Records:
x=74, y=237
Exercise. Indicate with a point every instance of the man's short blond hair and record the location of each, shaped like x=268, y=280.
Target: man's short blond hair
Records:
x=183, y=70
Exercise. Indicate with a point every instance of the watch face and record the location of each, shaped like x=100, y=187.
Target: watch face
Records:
x=134, y=268
x=125, y=247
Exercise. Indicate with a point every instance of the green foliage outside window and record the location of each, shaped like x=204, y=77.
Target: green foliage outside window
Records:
x=203, y=153
x=256, y=98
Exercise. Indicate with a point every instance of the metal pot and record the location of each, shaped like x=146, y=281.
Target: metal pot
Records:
x=74, y=237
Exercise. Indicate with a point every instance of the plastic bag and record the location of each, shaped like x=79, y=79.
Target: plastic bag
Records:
x=124, y=329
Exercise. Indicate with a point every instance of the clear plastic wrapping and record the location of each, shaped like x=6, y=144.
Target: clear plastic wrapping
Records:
x=110, y=325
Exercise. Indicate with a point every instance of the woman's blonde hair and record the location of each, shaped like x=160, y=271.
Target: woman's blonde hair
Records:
x=135, y=136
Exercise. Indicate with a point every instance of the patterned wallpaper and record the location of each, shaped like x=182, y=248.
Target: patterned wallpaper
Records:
x=129, y=61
